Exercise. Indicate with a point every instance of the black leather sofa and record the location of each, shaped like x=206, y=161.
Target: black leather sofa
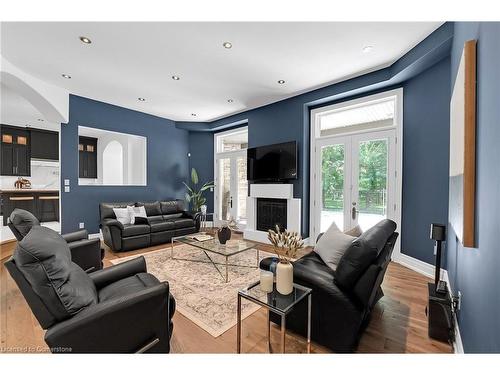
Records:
x=341, y=312
x=120, y=309
x=85, y=251
x=165, y=219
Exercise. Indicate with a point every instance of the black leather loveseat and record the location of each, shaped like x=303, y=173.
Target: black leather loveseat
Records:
x=342, y=300
x=165, y=219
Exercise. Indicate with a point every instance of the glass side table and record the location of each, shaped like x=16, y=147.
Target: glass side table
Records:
x=277, y=303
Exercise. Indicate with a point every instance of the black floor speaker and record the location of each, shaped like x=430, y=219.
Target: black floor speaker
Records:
x=440, y=315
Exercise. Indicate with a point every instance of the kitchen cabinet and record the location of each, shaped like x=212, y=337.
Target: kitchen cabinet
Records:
x=44, y=144
x=44, y=204
x=15, y=145
x=87, y=157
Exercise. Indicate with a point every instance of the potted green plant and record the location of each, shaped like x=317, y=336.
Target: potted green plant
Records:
x=195, y=196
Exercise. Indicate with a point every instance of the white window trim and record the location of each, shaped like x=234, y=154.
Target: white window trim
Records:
x=223, y=155
x=398, y=126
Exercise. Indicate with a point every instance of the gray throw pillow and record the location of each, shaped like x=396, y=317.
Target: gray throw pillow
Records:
x=44, y=258
x=356, y=231
x=332, y=245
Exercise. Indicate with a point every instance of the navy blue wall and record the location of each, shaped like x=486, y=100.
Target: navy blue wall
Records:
x=167, y=149
x=475, y=271
x=201, y=147
x=426, y=144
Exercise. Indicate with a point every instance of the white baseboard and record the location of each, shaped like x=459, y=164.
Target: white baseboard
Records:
x=428, y=270
x=416, y=265
x=458, y=347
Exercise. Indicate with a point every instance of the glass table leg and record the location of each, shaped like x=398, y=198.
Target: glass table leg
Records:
x=238, y=328
x=309, y=324
x=283, y=333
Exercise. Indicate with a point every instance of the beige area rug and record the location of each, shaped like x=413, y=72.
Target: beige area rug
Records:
x=200, y=292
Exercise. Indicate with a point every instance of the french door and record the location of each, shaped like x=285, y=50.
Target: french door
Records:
x=354, y=180
x=231, y=187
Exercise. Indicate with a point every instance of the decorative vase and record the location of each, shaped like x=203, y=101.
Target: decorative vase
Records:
x=224, y=235
x=284, y=278
x=203, y=209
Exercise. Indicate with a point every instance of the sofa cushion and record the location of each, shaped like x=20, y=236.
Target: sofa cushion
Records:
x=182, y=223
x=23, y=221
x=161, y=226
x=332, y=245
x=137, y=215
x=363, y=252
x=312, y=269
x=155, y=219
x=152, y=208
x=135, y=230
x=127, y=286
x=172, y=207
x=44, y=258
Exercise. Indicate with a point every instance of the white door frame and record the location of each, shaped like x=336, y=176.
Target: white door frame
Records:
x=316, y=141
x=232, y=155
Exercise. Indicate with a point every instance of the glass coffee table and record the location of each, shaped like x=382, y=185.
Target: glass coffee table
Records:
x=213, y=246
x=277, y=303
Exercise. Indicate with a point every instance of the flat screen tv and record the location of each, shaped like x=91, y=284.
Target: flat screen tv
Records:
x=276, y=162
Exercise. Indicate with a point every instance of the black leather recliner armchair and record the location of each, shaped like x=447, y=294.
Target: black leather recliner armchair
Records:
x=340, y=314
x=85, y=251
x=165, y=219
x=120, y=309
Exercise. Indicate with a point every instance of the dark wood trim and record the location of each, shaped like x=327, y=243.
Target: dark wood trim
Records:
x=470, y=144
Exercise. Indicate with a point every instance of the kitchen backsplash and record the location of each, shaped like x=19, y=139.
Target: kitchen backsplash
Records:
x=44, y=175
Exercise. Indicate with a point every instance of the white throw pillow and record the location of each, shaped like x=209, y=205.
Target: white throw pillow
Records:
x=332, y=245
x=122, y=215
x=136, y=212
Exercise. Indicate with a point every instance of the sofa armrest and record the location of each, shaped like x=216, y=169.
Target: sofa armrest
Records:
x=195, y=216
x=122, y=325
x=112, y=223
x=120, y=271
x=82, y=234
x=87, y=254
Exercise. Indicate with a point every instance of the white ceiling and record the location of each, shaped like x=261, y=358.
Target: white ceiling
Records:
x=16, y=110
x=130, y=60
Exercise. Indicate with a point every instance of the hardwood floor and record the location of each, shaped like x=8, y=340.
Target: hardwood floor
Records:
x=398, y=323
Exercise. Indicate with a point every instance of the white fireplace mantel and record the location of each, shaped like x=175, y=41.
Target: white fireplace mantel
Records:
x=276, y=191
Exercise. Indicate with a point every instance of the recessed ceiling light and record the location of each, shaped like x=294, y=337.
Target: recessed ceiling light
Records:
x=281, y=81
x=176, y=78
x=367, y=49
x=40, y=119
x=193, y=114
x=66, y=76
x=85, y=40
x=141, y=99
x=227, y=45
x=230, y=100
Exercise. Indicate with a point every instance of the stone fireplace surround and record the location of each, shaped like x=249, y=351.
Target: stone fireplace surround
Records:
x=276, y=191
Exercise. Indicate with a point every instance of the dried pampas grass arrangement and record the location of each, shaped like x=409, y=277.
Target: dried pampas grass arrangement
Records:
x=286, y=244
